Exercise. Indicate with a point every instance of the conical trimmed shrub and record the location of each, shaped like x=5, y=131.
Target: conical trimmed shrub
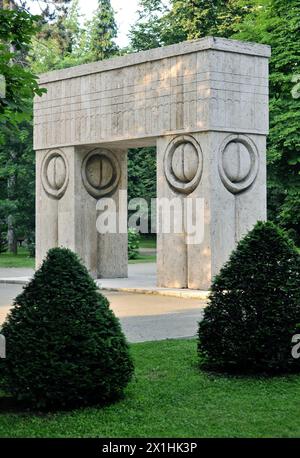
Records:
x=254, y=306
x=64, y=345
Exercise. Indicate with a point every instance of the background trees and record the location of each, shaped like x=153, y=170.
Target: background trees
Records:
x=30, y=45
x=277, y=23
x=59, y=38
x=16, y=30
x=103, y=32
x=273, y=22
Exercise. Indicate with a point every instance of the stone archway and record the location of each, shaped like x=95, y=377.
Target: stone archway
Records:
x=204, y=104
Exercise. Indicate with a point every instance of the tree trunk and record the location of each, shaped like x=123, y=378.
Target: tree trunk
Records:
x=11, y=235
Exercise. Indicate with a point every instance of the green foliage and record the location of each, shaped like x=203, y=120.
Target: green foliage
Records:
x=103, y=32
x=28, y=54
x=66, y=42
x=39, y=45
x=133, y=243
x=276, y=22
x=142, y=173
x=160, y=24
x=16, y=30
x=65, y=347
x=254, y=307
x=61, y=43
x=148, y=31
x=170, y=397
x=17, y=178
x=49, y=10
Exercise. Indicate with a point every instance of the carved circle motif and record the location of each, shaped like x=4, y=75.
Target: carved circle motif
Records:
x=183, y=164
x=238, y=163
x=55, y=173
x=100, y=172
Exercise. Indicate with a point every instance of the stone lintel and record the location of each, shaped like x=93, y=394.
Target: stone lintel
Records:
x=187, y=47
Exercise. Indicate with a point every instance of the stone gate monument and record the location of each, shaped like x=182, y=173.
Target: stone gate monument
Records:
x=203, y=104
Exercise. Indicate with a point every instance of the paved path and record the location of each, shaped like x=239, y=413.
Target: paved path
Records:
x=15, y=272
x=143, y=317
x=141, y=279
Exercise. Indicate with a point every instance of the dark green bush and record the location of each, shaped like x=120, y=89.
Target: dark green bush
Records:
x=254, y=307
x=64, y=345
x=133, y=243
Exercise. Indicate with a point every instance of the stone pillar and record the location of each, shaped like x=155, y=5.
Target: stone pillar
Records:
x=70, y=182
x=54, y=186
x=222, y=178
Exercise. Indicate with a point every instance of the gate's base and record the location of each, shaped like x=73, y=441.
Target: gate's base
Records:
x=142, y=279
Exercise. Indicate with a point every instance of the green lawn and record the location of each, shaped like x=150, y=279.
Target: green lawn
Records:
x=170, y=397
x=148, y=242
x=22, y=259
x=143, y=258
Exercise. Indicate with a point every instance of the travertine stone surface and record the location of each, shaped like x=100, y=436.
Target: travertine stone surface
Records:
x=69, y=220
x=113, y=248
x=204, y=103
x=195, y=86
x=227, y=214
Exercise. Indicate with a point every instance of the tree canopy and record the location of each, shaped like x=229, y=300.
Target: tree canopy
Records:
x=273, y=22
x=60, y=38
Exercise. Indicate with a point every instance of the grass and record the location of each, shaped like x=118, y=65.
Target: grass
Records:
x=22, y=259
x=170, y=397
x=148, y=242
x=143, y=258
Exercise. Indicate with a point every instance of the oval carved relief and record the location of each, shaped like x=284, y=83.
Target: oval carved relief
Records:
x=238, y=163
x=55, y=173
x=183, y=164
x=100, y=172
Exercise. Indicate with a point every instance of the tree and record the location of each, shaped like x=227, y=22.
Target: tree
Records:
x=48, y=9
x=160, y=25
x=254, y=306
x=148, y=31
x=17, y=37
x=19, y=166
x=61, y=43
x=276, y=22
x=142, y=173
x=16, y=30
x=65, y=347
x=103, y=31
x=142, y=181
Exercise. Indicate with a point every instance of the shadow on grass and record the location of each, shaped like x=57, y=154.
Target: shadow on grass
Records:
x=9, y=405
x=233, y=373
